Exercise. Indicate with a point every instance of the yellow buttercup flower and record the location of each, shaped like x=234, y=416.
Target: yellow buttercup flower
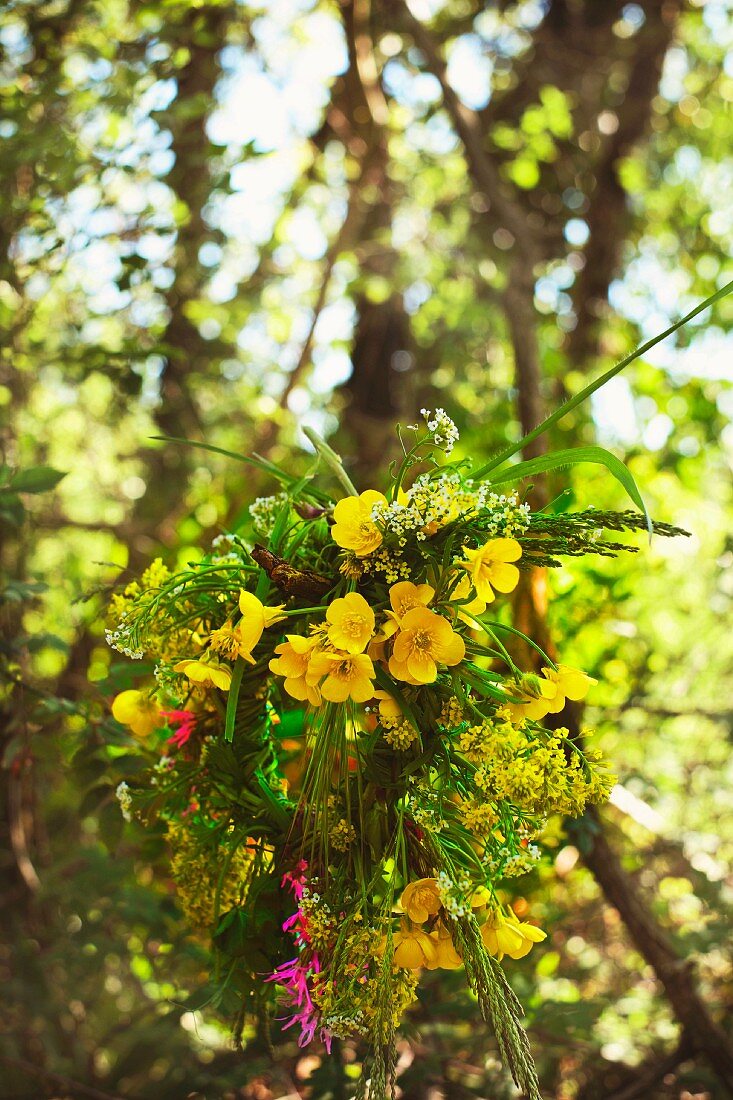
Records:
x=424, y=640
x=137, y=711
x=351, y=622
x=413, y=947
x=292, y=662
x=226, y=640
x=421, y=899
x=354, y=528
x=403, y=596
x=256, y=617
x=472, y=607
x=570, y=683
x=388, y=706
x=489, y=567
x=348, y=676
x=206, y=673
x=446, y=956
x=536, y=695
x=530, y=934
x=541, y=695
x=507, y=936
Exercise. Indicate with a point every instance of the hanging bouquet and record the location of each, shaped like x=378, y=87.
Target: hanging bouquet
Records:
x=347, y=755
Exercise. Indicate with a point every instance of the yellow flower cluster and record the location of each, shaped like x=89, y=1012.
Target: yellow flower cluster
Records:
x=533, y=773
x=355, y=1000
x=331, y=664
x=342, y=835
x=451, y=713
x=197, y=876
x=121, y=603
x=415, y=948
x=319, y=920
x=478, y=816
x=399, y=732
x=336, y=662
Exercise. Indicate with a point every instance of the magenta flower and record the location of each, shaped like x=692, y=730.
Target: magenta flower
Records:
x=185, y=721
x=293, y=976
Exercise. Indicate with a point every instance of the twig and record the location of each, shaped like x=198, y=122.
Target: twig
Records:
x=468, y=126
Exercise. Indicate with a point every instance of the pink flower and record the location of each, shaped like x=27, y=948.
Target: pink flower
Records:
x=185, y=720
x=293, y=976
x=296, y=879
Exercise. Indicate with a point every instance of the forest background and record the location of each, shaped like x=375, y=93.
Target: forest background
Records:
x=225, y=221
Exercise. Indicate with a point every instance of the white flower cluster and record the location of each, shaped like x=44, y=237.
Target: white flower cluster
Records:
x=344, y=1027
x=507, y=516
x=455, y=896
x=120, y=639
x=423, y=805
x=264, y=512
x=390, y=563
x=431, y=503
x=164, y=765
x=125, y=800
x=509, y=864
x=442, y=428
x=223, y=548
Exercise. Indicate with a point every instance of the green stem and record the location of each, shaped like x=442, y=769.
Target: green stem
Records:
x=331, y=460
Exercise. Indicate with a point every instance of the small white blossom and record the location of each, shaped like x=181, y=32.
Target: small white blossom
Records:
x=125, y=800
x=442, y=429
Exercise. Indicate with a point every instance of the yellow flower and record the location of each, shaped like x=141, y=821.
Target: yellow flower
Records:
x=354, y=528
x=541, y=695
x=413, y=947
x=570, y=683
x=530, y=934
x=138, y=711
x=536, y=695
x=424, y=640
x=403, y=596
x=225, y=640
x=292, y=662
x=446, y=956
x=388, y=706
x=206, y=673
x=255, y=618
x=421, y=899
x=348, y=676
x=489, y=568
x=351, y=623
x=507, y=936
x=472, y=607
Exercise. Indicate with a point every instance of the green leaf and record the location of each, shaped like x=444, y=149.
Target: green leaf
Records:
x=233, y=697
x=39, y=479
x=579, y=398
x=571, y=457
x=260, y=463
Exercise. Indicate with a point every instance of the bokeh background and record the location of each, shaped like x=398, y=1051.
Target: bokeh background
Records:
x=227, y=220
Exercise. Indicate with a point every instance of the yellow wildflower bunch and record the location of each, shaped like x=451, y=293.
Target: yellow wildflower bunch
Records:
x=376, y=736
